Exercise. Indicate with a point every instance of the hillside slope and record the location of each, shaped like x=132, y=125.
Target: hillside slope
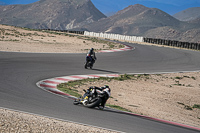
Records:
x=147, y=22
x=52, y=14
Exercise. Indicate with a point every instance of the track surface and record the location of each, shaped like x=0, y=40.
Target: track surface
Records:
x=20, y=72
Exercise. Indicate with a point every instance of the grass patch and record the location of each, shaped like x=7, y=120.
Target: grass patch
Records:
x=189, y=107
x=77, y=83
x=69, y=91
x=178, y=84
x=118, y=107
x=124, y=77
x=196, y=106
x=186, y=76
x=193, y=78
x=178, y=77
x=180, y=103
x=74, y=83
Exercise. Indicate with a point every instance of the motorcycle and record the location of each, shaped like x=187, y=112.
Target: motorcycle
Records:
x=89, y=99
x=88, y=62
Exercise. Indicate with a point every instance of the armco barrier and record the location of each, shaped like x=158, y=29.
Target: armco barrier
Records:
x=67, y=31
x=173, y=43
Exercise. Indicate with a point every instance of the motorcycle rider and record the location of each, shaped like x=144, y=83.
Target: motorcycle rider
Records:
x=102, y=90
x=92, y=55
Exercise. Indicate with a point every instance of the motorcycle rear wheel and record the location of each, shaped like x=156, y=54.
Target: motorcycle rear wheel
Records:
x=96, y=103
x=85, y=66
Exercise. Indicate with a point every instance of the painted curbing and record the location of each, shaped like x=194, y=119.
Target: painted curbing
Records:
x=51, y=84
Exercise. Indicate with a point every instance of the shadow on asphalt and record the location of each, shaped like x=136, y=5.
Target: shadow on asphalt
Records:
x=101, y=70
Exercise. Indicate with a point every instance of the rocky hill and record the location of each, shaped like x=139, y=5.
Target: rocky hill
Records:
x=188, y=14
x=52, y=14
x=134, y=20
x=147, y=22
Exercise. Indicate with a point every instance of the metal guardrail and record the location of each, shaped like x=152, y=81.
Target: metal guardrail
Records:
x=173, y=43
x=67, y=31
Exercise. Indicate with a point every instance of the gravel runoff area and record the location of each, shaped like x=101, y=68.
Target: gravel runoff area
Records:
x=19, y=122
x=169, y=96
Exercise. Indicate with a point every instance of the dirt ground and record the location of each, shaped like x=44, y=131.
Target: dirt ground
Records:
x=21, y=40
x=19, y=122
x=165, y=96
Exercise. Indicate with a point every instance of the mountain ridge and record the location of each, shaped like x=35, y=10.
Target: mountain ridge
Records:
x=137, y=14
x=138, y=20
x=51, y=14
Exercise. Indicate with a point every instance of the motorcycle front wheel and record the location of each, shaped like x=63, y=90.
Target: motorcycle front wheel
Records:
x=76, y=102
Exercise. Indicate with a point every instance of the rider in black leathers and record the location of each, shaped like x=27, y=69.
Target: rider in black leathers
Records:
x=104, y=90
x=92, y=55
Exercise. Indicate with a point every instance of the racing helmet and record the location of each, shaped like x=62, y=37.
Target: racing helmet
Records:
x=107, y=87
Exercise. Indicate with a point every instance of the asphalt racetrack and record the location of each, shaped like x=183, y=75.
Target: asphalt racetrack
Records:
x=19, y=73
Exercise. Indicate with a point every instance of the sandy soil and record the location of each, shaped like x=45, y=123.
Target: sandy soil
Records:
x=21, y=40
x=166, y=96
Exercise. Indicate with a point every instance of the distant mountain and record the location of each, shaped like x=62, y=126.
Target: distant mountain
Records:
x=52, y=14
x=139, y=20
x=134, y=20
x=188, y=14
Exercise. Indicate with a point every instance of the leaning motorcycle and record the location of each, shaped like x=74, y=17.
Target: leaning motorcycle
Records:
x=90, y=100
x=88, y=62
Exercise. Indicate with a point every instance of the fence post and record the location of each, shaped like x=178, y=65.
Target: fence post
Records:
x=198, y=46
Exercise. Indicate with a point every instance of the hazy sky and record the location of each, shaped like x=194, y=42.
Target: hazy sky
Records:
x=112, y=6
